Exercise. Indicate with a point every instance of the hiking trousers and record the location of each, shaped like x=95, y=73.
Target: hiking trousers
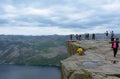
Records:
x=115, y=51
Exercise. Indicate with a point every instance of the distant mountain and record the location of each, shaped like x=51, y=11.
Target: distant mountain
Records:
x=32, y=50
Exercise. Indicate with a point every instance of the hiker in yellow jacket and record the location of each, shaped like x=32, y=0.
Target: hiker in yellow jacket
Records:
x=80, y=51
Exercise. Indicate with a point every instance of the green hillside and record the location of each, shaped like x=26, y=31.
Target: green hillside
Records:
x=32, y=50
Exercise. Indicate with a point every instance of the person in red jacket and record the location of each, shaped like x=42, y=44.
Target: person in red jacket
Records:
x=115, y=46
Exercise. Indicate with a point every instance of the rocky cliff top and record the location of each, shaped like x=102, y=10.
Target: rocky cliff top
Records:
x=97, y=63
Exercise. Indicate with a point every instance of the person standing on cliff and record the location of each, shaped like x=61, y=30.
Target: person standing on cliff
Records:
x=79, y=36
x=71, y=36
x=93, y=36
x=112, y=36
x=107, y=34
x=115, y=46
x=76, y=36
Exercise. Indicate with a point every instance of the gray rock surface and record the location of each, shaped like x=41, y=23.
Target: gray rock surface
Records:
x=97, y=63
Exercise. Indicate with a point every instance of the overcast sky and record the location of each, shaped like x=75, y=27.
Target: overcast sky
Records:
x=47, y=17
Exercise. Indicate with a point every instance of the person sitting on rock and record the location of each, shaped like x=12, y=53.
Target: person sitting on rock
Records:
x=80, y=51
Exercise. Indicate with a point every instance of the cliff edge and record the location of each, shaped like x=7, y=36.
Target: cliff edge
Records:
x=97, y=63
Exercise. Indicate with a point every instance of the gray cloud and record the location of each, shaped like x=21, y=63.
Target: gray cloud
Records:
x=81, y=14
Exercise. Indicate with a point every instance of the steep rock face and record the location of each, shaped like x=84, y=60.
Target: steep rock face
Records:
x=97, y=63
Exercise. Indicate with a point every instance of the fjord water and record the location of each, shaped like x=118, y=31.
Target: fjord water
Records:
x=28, y=72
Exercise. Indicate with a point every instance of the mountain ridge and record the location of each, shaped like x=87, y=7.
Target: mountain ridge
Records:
x=32, y=50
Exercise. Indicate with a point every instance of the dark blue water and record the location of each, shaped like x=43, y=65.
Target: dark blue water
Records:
x=28, y=72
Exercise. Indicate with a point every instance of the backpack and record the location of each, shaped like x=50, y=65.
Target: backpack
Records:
x=114, y=45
